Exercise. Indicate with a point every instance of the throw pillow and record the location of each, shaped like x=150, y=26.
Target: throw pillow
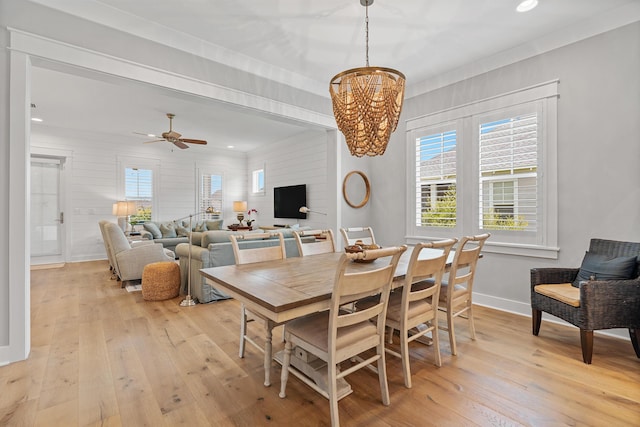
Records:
x=168, y=230
x=604, y=267
x=182, y=231
x=214, y=224
x=152, y=228
x=201, y=226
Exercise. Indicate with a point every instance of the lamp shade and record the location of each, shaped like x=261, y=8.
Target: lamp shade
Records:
x=239, y=206
x=124, y=208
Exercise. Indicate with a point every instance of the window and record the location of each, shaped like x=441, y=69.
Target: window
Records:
x=436, y=180
x=257, y=181
x=479, y=168
x=138, y=187
x=210, y=193
x=508, y=161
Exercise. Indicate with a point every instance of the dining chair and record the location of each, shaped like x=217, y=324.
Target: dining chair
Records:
x=457, y=291
x=351, y=235
x=323, y=243
x=250, y=255
x=414, y=311
x=335, y=335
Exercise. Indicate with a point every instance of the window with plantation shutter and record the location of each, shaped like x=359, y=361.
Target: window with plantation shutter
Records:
x=210, y=193
x=488, y=166
x=138, y=187
x=436, y=179
x=508, y=167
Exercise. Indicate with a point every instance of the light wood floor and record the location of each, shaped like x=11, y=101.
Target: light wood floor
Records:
x=103, y=356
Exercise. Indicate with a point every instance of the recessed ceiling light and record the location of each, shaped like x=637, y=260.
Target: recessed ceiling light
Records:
x=150, y=135
x=526, y=5
x=229, y=146
x=36, y=119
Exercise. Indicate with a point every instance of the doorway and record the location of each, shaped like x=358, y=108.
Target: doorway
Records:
x=47, y=210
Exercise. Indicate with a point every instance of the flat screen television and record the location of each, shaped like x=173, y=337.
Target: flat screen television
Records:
x=288, y=200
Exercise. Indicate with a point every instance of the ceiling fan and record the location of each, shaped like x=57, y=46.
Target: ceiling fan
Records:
x=173, y=136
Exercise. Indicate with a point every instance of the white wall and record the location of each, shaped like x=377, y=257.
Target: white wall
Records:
x=93, y=181
x=598, y=155
x=299, y=160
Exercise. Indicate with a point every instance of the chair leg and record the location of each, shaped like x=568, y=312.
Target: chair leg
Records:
x=404, y=353
x=635, y=340
x=586, y=340
x=452, y=337
x=243, y=329
x=382, y=374
x=536, y=319
x=284, y=375
x=436, y=343
x=472, y=326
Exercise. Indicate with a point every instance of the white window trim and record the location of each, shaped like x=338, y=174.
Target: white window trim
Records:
x=124, y=162
x=200, y=174
x=253, y=182
x=546, y=244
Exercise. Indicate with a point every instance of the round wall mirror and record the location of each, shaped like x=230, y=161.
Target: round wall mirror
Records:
x=356, y=189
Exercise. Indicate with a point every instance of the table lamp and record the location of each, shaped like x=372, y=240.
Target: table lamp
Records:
x=240, y=208
x=123, y=209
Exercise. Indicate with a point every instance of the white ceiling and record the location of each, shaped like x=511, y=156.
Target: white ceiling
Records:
x=305, y=43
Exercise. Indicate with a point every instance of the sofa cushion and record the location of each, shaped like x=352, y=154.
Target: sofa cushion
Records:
x=153, y=228
x=168, y=230
x=603, y=267
x=182, y=230
x=213, y=224
x=200, y=226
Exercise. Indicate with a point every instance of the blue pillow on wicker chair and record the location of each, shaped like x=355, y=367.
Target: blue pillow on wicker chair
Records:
x=603, y=267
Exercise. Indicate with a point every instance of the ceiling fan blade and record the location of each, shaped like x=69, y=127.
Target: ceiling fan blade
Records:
x=155, y=140
x=194, y=141
x=150, y=135
x=178, y=143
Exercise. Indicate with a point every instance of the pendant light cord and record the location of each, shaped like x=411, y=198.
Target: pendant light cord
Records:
x=366, y=22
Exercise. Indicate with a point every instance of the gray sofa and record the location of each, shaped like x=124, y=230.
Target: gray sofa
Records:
x=213, y=250
x=172, y=233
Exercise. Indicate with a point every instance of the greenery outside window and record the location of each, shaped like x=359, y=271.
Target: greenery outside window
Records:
x=139, y=188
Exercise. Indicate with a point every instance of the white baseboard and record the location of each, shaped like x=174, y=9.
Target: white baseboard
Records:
x=524, y=309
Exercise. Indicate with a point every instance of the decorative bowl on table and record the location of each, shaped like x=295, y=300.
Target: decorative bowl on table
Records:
x=358, y=247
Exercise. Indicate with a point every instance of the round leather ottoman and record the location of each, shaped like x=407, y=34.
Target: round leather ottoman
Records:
x=160, y=281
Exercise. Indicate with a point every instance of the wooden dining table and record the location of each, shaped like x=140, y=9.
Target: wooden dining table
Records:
x=286, y=289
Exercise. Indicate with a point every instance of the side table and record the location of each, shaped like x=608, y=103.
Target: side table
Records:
x=236, y=227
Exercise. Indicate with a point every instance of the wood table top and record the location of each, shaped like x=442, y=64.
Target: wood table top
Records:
x=283, y=285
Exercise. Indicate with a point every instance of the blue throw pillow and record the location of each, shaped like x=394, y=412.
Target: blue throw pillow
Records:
x=602, y=267
x=152, y=228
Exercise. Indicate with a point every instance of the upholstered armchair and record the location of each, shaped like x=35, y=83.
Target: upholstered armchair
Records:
x=129, y=261
x=604, y=293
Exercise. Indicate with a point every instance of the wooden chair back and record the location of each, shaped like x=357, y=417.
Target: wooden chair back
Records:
x=250, y=255
x=463, y=267
x=324, y=242
x=352, y=286
x=352, y=234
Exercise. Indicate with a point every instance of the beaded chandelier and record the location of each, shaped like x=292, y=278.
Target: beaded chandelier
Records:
x=367, y=102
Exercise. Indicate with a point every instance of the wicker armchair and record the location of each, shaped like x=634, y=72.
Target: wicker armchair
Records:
x=596, y=304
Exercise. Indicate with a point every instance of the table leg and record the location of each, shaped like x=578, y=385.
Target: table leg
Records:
x=268, y=349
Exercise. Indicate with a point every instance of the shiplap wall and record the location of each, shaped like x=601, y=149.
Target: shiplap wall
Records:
x=299, y=160
x=92, y=185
